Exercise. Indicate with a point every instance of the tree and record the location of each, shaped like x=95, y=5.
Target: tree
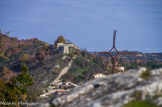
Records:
x=7, y=33
x=8, y=93
x=25, y=57
x=16, y=89
x=5, y=69
x=40, y=55
x=60, y=39
x=24, y=80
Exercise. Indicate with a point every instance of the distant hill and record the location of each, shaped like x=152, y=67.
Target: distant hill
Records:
x=137, y=59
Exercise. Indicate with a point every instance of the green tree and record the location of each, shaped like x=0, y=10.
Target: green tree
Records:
x=25, y=57
x=8, y=93
x=24, y=80
x=5, y=69
x=16, y=89
x=60, y=39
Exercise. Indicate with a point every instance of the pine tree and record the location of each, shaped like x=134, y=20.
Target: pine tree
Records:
x=24, y=80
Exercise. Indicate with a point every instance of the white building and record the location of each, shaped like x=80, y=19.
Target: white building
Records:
x=70, y=84
x=121, y=69
x=64, y=48
x=99, y=75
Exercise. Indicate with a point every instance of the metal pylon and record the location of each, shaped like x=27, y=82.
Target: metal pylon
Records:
x=114, y=58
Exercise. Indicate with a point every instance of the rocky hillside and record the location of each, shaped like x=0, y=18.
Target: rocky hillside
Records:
x=45, y=63
x=134, y=87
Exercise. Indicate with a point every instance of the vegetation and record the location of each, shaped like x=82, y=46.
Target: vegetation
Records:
x=60, y=39
x=33, y=94
x=24, y=80
x=146, y=74
x=5, y=69
x=25, y=57
x=157, y=96
x=16, y=89
x=153, y=65
x=134, y=65
x=140, y=103
x=8, y=92
x=84, y=66
x=1, y=54
x=41, y=59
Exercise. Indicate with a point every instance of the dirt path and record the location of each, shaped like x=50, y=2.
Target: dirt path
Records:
x=57, y=80
x=63, y=71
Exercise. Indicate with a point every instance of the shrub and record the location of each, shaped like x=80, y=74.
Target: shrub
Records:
x=5, y=69
x=25, y=57
x=157, y=96
x=140, y=103
x=60, y=39
x=1, y=54
x=146, y=74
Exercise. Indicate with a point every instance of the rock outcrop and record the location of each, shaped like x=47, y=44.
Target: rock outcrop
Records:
x=113, y=90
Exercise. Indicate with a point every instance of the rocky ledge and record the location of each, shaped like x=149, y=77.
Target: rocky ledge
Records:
x=114, y=90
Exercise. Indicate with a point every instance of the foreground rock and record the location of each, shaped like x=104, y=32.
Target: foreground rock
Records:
x=113, y=91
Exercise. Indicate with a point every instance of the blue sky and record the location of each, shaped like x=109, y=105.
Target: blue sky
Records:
x=87, y=23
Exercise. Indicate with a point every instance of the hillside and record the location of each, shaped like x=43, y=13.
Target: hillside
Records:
x=45, y=63
x=49, y=63
x=14, y=51
x=139, y=59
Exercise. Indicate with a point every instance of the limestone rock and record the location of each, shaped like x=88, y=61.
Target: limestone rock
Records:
x=113, y=90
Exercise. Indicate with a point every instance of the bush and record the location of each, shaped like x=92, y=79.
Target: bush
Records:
x=60, y=39
x=146, y=74
x=25, y=57
x=1, y=54
x=140, y=103
x=5, y=69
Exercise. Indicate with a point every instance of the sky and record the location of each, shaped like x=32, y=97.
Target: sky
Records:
x=87, y=23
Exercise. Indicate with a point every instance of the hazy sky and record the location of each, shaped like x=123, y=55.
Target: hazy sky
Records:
x=87, y=23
